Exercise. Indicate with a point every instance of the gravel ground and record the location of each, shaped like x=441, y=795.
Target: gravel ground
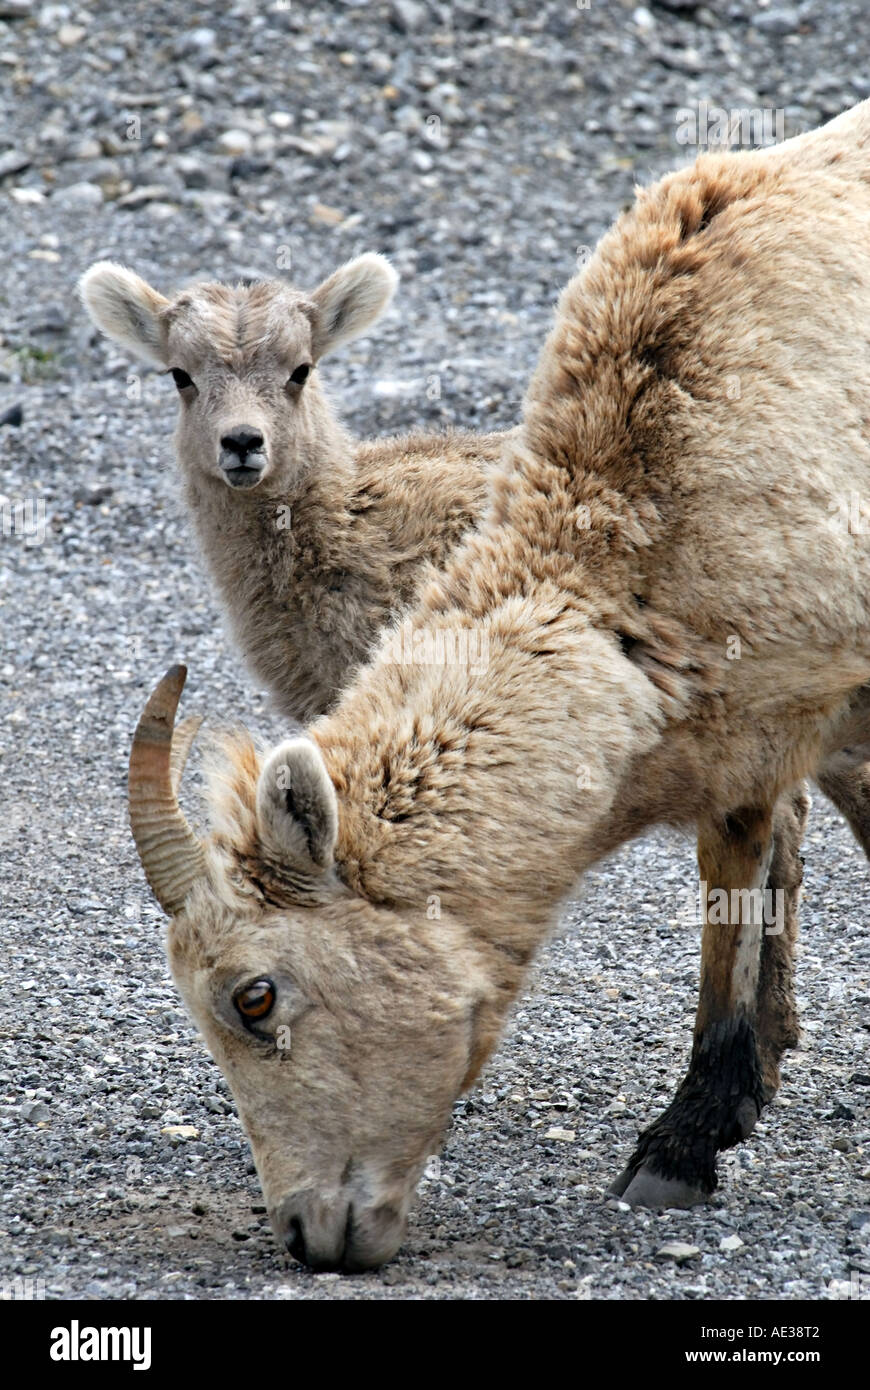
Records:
x=480, y=146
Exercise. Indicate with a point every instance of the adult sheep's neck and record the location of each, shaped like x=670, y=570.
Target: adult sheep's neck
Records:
x=481, y=785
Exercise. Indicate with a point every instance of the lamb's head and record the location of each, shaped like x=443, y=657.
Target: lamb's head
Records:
x=244, y=358
x=345, y=1036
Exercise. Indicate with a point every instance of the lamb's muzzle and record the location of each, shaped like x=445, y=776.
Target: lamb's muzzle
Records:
x=171, y=854
x=243, y=456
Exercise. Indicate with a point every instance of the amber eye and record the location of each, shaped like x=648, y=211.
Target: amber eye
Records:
x=256, y=1000
x=181, y=379
x=300, y=375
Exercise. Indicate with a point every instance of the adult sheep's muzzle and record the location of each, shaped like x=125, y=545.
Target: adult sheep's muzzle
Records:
x=337, y=1236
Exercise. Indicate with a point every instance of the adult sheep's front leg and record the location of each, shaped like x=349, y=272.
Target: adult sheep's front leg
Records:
x=720, y=1099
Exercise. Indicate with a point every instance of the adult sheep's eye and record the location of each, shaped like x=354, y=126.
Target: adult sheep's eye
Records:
x=300, y=375
x=181, y=379
x=255, y=1001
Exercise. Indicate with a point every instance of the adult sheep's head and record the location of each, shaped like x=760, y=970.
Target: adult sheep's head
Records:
x=243, y=358
x=344, y=1034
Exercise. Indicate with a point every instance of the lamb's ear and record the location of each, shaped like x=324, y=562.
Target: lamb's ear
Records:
x=297, y=807
x=350, y=300
x=125, y=308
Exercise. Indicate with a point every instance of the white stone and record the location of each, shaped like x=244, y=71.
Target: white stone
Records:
x=234, y=142
x=676, y=1250
x=68, y=35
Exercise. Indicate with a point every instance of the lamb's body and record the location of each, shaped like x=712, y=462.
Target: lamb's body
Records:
x=309, y=577
x=646, y=515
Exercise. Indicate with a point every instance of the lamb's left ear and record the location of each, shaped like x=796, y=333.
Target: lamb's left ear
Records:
x=125, y=308
x=350, y=300
x=297, y=806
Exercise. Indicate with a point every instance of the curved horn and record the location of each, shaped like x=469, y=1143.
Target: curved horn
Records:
x=171, y=854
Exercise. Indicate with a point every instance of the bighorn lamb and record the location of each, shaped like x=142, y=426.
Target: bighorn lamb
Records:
x=676, y=620
x=313, y=539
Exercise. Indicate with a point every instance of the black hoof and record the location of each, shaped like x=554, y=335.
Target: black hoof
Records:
x=644, y=1188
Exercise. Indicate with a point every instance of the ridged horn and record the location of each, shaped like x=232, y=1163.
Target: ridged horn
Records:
x=171, y=854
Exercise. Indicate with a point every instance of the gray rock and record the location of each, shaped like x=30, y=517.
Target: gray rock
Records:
x=50, y=319
x=731, y=1243
x=408, y=16
x=35, y=1111
x=138, y=197
x=14, y=162
x=199, y=41
x=678, y=1251
x=78, y=195
x=247, y=168
x=784, y=20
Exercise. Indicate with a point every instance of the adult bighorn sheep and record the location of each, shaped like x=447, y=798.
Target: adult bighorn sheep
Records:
x=675, y=611
x=314, y=539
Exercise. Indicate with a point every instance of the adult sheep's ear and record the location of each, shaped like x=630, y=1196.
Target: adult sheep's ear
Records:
x=350, y=301
x=126, y=309
x=297, y=807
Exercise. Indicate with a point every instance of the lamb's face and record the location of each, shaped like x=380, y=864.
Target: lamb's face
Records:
x=243, y=364
x=345, y=1040
x=252, y=416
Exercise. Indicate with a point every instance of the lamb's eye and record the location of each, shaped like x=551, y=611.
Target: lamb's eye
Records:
x=256, y=1000
x=300, y=375
x=181, y=379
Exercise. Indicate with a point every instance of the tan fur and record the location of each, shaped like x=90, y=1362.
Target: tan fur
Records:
x=644, y=516
x=733, y=855
x=340, y=535
x=337, y=536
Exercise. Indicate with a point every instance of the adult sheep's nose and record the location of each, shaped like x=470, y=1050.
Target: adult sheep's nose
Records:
x=312, y=1231
x=334, y=1235
x=242, y=441
x=294, y=1239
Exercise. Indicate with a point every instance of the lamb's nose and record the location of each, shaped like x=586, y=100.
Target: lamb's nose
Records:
x=242, y=441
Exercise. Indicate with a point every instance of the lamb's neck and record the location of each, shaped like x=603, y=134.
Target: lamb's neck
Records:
x=279, y=561
x=306, y=508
